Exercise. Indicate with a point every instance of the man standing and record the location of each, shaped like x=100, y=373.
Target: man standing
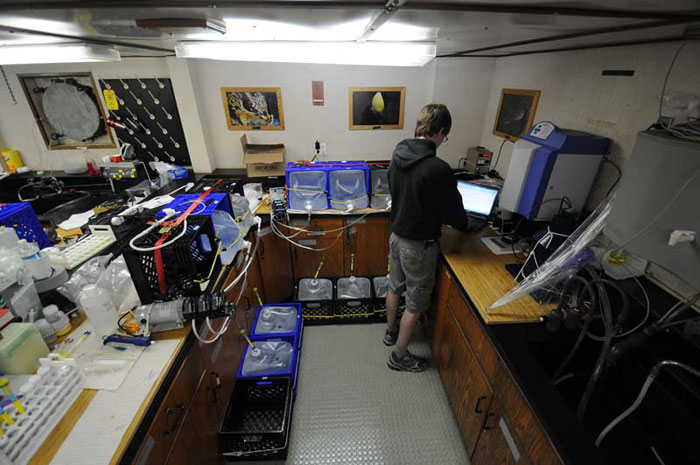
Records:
x=424, y=195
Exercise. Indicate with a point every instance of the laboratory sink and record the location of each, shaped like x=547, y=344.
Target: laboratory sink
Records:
x=666, y=425
x=48, y=202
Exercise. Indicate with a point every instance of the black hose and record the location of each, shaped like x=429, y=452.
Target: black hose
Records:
x=574, y=349
x=610, y=331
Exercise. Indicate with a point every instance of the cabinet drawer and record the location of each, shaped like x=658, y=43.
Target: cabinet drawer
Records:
x=476, y=337
x=526, y=426
x=168, y=418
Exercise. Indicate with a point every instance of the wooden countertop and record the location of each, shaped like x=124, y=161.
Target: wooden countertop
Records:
x=55, y=440
x=483, y=276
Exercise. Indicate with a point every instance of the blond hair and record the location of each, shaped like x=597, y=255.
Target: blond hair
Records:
x=432, y=118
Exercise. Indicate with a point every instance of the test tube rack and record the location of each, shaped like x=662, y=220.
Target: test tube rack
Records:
x=46, y=397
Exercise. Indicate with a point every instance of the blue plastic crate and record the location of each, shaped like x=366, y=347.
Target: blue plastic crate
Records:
x=213, y=201
x=22, y=218
x=296, y=332
x=291, y=372
x=312, y=190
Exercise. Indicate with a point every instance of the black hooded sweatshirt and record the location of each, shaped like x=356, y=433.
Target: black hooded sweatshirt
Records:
x=424, y=192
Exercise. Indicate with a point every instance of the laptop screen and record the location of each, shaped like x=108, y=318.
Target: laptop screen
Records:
x=477, y=199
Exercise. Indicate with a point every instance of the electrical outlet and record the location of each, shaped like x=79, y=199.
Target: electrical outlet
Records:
x=323, y=148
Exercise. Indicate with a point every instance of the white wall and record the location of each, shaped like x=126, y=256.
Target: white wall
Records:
x=576, y=96
x=18, y=130
x=304, y=123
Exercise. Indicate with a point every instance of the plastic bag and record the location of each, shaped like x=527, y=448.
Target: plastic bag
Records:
x=568, y=259
x=268, y=358
x=116, y=280
x=88, y=273
x=276, y=319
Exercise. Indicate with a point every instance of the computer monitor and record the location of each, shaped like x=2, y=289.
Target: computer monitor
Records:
x=477, y=200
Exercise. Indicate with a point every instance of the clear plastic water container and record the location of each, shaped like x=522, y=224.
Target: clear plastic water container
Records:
x=229, y=233
x=354, y=288
x=381, y=286
x=307, y=190
x=315, y=289
x=241, y=212
x=276, y=319
x=268, y=358
x=348, y=189
x=381, y=195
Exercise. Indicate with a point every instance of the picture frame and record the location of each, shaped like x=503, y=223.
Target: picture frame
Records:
x=253, y=108
x=371, y=108
x=68, y=110
x=515, y=113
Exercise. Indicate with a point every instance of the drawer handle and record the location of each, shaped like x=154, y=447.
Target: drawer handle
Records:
x=486, y=421
x=477, y=408
x=177, y=411
x=214, y=385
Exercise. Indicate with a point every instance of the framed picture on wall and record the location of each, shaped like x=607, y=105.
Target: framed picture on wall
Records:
x=516, y=111
x=253, y=108
x=376, y=107
x=67, y=110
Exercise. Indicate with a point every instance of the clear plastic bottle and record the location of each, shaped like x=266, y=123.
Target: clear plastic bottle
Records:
x=99, y=309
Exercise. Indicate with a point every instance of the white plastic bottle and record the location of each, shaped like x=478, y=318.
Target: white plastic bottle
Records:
x=99, y=309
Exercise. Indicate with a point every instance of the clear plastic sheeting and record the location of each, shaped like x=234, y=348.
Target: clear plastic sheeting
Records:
x=307, y=190
x=229, y=233
x=566, y=261
x=276, y=319
x=348, y=189
x=268, y=358
x=381, y=196
x=241, y=212
x=353, y=288
x=315, y=289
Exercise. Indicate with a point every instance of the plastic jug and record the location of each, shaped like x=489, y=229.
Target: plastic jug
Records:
x=99, y=309
x=353, y=288
x=21, y=347
x=315, y=289
x=268, y=358
x=381, y=286
x=348, y=189
x=381, y=196
x=276, y=320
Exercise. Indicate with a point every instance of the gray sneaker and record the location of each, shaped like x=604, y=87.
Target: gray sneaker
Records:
x=408, y=362
x=390, y=337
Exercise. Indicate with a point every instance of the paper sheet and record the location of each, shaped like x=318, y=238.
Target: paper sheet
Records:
x=94, y=439
x=77, y=220
x=105, y=367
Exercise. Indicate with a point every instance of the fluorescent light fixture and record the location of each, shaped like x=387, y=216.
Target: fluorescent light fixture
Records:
x=250, y=29
x=335, y=53
x=63, y=53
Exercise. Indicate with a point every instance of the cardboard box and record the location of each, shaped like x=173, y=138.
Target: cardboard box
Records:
x=263, y=159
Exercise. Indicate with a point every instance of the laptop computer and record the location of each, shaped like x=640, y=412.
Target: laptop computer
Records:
x=478, y=201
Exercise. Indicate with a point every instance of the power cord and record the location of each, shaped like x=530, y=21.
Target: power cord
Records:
x=493, y=172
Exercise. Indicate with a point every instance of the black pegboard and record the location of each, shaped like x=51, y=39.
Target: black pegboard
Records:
x=130, y=110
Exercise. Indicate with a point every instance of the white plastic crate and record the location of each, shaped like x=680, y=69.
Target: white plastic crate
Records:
x=46, y=398
x=82, y=250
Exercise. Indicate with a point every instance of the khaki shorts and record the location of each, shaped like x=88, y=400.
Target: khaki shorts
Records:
x=413, y=267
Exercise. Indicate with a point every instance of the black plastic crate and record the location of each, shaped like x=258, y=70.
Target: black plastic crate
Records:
x=353, y=310
x=315, y=312
x=186, y=262
x=257, y=421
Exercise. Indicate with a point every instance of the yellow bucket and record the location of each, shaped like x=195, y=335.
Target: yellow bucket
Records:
x=12, y=160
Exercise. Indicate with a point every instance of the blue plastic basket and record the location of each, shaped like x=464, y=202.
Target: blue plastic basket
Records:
x=22, y=218
x=296, y=332
x=291, y=371
x=206, y=207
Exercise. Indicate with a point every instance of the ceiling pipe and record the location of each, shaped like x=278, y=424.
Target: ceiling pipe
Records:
x=573, y=35
x=659, y=40
x=8, y=5
x=91, y=40
x=381, y=17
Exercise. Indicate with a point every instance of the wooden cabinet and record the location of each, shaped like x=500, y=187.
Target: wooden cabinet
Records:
x=169, y=416
x=331, y=245
x=495, y=420
x=496, y=442
x=442, y=288
x=368, y=238
x=275, y=262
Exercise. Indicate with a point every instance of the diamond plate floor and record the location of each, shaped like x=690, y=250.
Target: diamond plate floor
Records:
x=352, y=409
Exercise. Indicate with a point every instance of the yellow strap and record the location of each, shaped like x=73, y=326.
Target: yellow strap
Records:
x=349, y=201
x=318, y=316
x=354, y=314
x=306, y=190
x=239, y=218
x=381, y=195
x=213, y=264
